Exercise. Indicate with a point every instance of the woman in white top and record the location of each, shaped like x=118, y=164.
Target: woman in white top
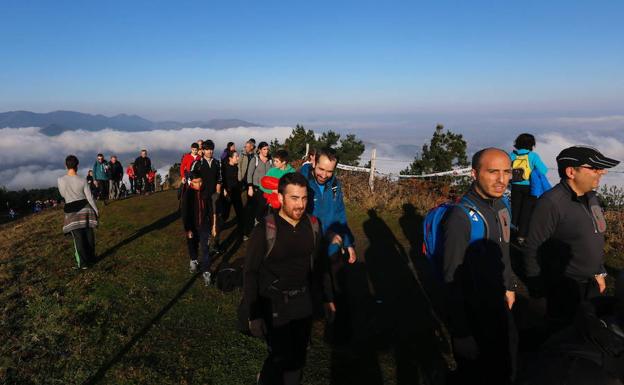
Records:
x=81, y=214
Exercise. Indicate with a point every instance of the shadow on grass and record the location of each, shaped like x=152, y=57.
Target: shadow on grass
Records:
x=115, y=358
x=156, y=225
x=230, y=246
x=385, y=308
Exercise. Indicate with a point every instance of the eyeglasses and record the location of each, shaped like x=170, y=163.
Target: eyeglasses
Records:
x=594, y=169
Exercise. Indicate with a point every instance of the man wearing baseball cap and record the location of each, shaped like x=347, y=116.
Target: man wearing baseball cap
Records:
x=566, y=233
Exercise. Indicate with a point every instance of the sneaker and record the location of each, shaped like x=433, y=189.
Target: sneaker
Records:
x=193, y=266
x=245, y=238
x=207, y=277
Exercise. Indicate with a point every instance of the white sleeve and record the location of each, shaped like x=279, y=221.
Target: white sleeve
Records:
x=89, y=196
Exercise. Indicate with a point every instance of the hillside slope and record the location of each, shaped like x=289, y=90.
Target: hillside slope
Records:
x=138, y=316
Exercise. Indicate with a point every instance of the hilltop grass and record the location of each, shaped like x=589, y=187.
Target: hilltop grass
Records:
x=59, y=325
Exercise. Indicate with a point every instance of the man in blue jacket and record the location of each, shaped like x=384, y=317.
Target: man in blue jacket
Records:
x=101, y=177
x=325, y=201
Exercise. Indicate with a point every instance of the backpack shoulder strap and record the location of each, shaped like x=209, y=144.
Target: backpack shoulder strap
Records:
x=316, y=231
x=334, y=187
x=270, y=233
x=316, y=228
x=478, y=225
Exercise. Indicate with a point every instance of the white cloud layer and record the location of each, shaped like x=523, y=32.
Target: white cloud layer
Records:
x=30, y=159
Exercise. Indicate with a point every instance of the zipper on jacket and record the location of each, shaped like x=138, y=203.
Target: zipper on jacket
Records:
x=590, y=216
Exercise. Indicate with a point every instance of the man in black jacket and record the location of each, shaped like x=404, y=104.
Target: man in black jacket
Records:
x=478, y=279
x=281, y=269
x=116, y=175
x=142, y=165
x=567, y=231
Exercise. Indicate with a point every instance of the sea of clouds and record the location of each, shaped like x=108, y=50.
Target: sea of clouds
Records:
x=30, y=159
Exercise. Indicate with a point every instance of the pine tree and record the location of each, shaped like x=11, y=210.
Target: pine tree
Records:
x=445, y=151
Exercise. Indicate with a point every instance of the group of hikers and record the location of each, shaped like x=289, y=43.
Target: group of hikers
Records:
x=105, y=179
x=298, y=238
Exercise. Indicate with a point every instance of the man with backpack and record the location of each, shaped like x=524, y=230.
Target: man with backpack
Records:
x=282, y=268
x=470, y=253
x=326, y=202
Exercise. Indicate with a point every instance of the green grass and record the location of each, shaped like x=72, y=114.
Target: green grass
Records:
x=59, y=325
x=62, y=326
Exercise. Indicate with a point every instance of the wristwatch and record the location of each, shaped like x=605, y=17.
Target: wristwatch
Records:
x=603, y=275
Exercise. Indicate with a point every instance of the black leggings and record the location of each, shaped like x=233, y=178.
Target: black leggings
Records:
x=522, y=204
x=84, y=246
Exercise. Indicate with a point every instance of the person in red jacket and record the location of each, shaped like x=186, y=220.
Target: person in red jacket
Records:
x=131, y=177
x=151, y=179
x=187, y=162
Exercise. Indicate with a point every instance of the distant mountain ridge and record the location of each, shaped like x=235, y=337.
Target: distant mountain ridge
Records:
x=57, y=122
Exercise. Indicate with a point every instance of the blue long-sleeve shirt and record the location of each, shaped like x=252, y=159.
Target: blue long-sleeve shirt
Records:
x=326, y=202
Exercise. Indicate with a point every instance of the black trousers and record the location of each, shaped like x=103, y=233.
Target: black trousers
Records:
x=103, y=186
x=563, y=298
x=287, y=347
x=84, y=246
x=261, y=205
x=522, y=204
x=200, y=240
x=249, y=212
x=141, y=183
x=234, y=200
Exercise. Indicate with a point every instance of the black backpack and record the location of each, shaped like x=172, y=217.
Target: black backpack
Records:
x=229, y=277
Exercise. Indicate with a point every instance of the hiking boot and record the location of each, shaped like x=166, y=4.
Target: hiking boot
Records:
x=207, y=278
x=193, y=266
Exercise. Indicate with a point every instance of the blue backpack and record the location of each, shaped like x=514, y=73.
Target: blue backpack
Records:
x=433, y=241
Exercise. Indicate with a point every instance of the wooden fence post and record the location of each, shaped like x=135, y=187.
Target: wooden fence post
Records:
x=371, y=178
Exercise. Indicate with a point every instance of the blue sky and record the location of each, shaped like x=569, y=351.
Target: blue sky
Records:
x=277, y=62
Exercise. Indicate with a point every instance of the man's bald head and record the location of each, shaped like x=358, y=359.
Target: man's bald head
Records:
x=477, y=158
